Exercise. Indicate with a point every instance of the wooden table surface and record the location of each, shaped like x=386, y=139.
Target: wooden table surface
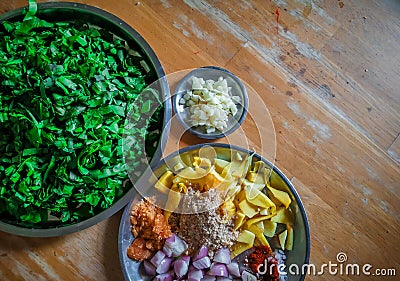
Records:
x=328, y=72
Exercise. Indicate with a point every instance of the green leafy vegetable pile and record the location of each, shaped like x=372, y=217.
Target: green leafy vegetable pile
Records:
x=65, y=91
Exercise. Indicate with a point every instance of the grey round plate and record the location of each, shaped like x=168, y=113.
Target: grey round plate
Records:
x=299, y=255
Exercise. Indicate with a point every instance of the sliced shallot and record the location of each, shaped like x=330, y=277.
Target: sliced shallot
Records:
x=149, y=268
x=157, y=258
x=195, y=274
x=176, y=245
x=223, y=255
x=201, y=253
x=218, y=269
x=209, y=278
x=165, y=277
x=202, y=263
x=181, y=266
x=164, y=265
x=233, y=269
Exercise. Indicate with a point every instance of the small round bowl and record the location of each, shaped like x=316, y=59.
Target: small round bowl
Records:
x=67, y=12
x=237, y=89
x=297, y=257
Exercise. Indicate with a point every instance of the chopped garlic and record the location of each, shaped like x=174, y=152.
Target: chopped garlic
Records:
x=210, y=103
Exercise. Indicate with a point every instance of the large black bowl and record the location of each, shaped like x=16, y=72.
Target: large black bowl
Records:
x=67, y=11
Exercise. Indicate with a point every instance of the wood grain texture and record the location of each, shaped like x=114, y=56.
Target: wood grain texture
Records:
x=328, y=75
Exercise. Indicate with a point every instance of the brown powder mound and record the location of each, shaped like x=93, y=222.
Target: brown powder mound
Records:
x=212, y=228
x=207, y=228
x=138, y=251
x=150, y=229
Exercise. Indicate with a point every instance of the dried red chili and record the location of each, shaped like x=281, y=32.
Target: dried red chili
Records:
x=258, y=257
x=277, y=20
x=262, y=261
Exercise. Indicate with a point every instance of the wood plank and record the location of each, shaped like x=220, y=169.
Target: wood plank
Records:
x=348, y=235
x=371, y=82
x=394, y=149
x=209, y=39
x=370, y=76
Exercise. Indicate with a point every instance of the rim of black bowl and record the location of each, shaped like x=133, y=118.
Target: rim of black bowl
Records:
x=244, y=105
x=125, y=31
x=232, y=147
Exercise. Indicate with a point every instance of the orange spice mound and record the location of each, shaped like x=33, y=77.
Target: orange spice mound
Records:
x=150, y=229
